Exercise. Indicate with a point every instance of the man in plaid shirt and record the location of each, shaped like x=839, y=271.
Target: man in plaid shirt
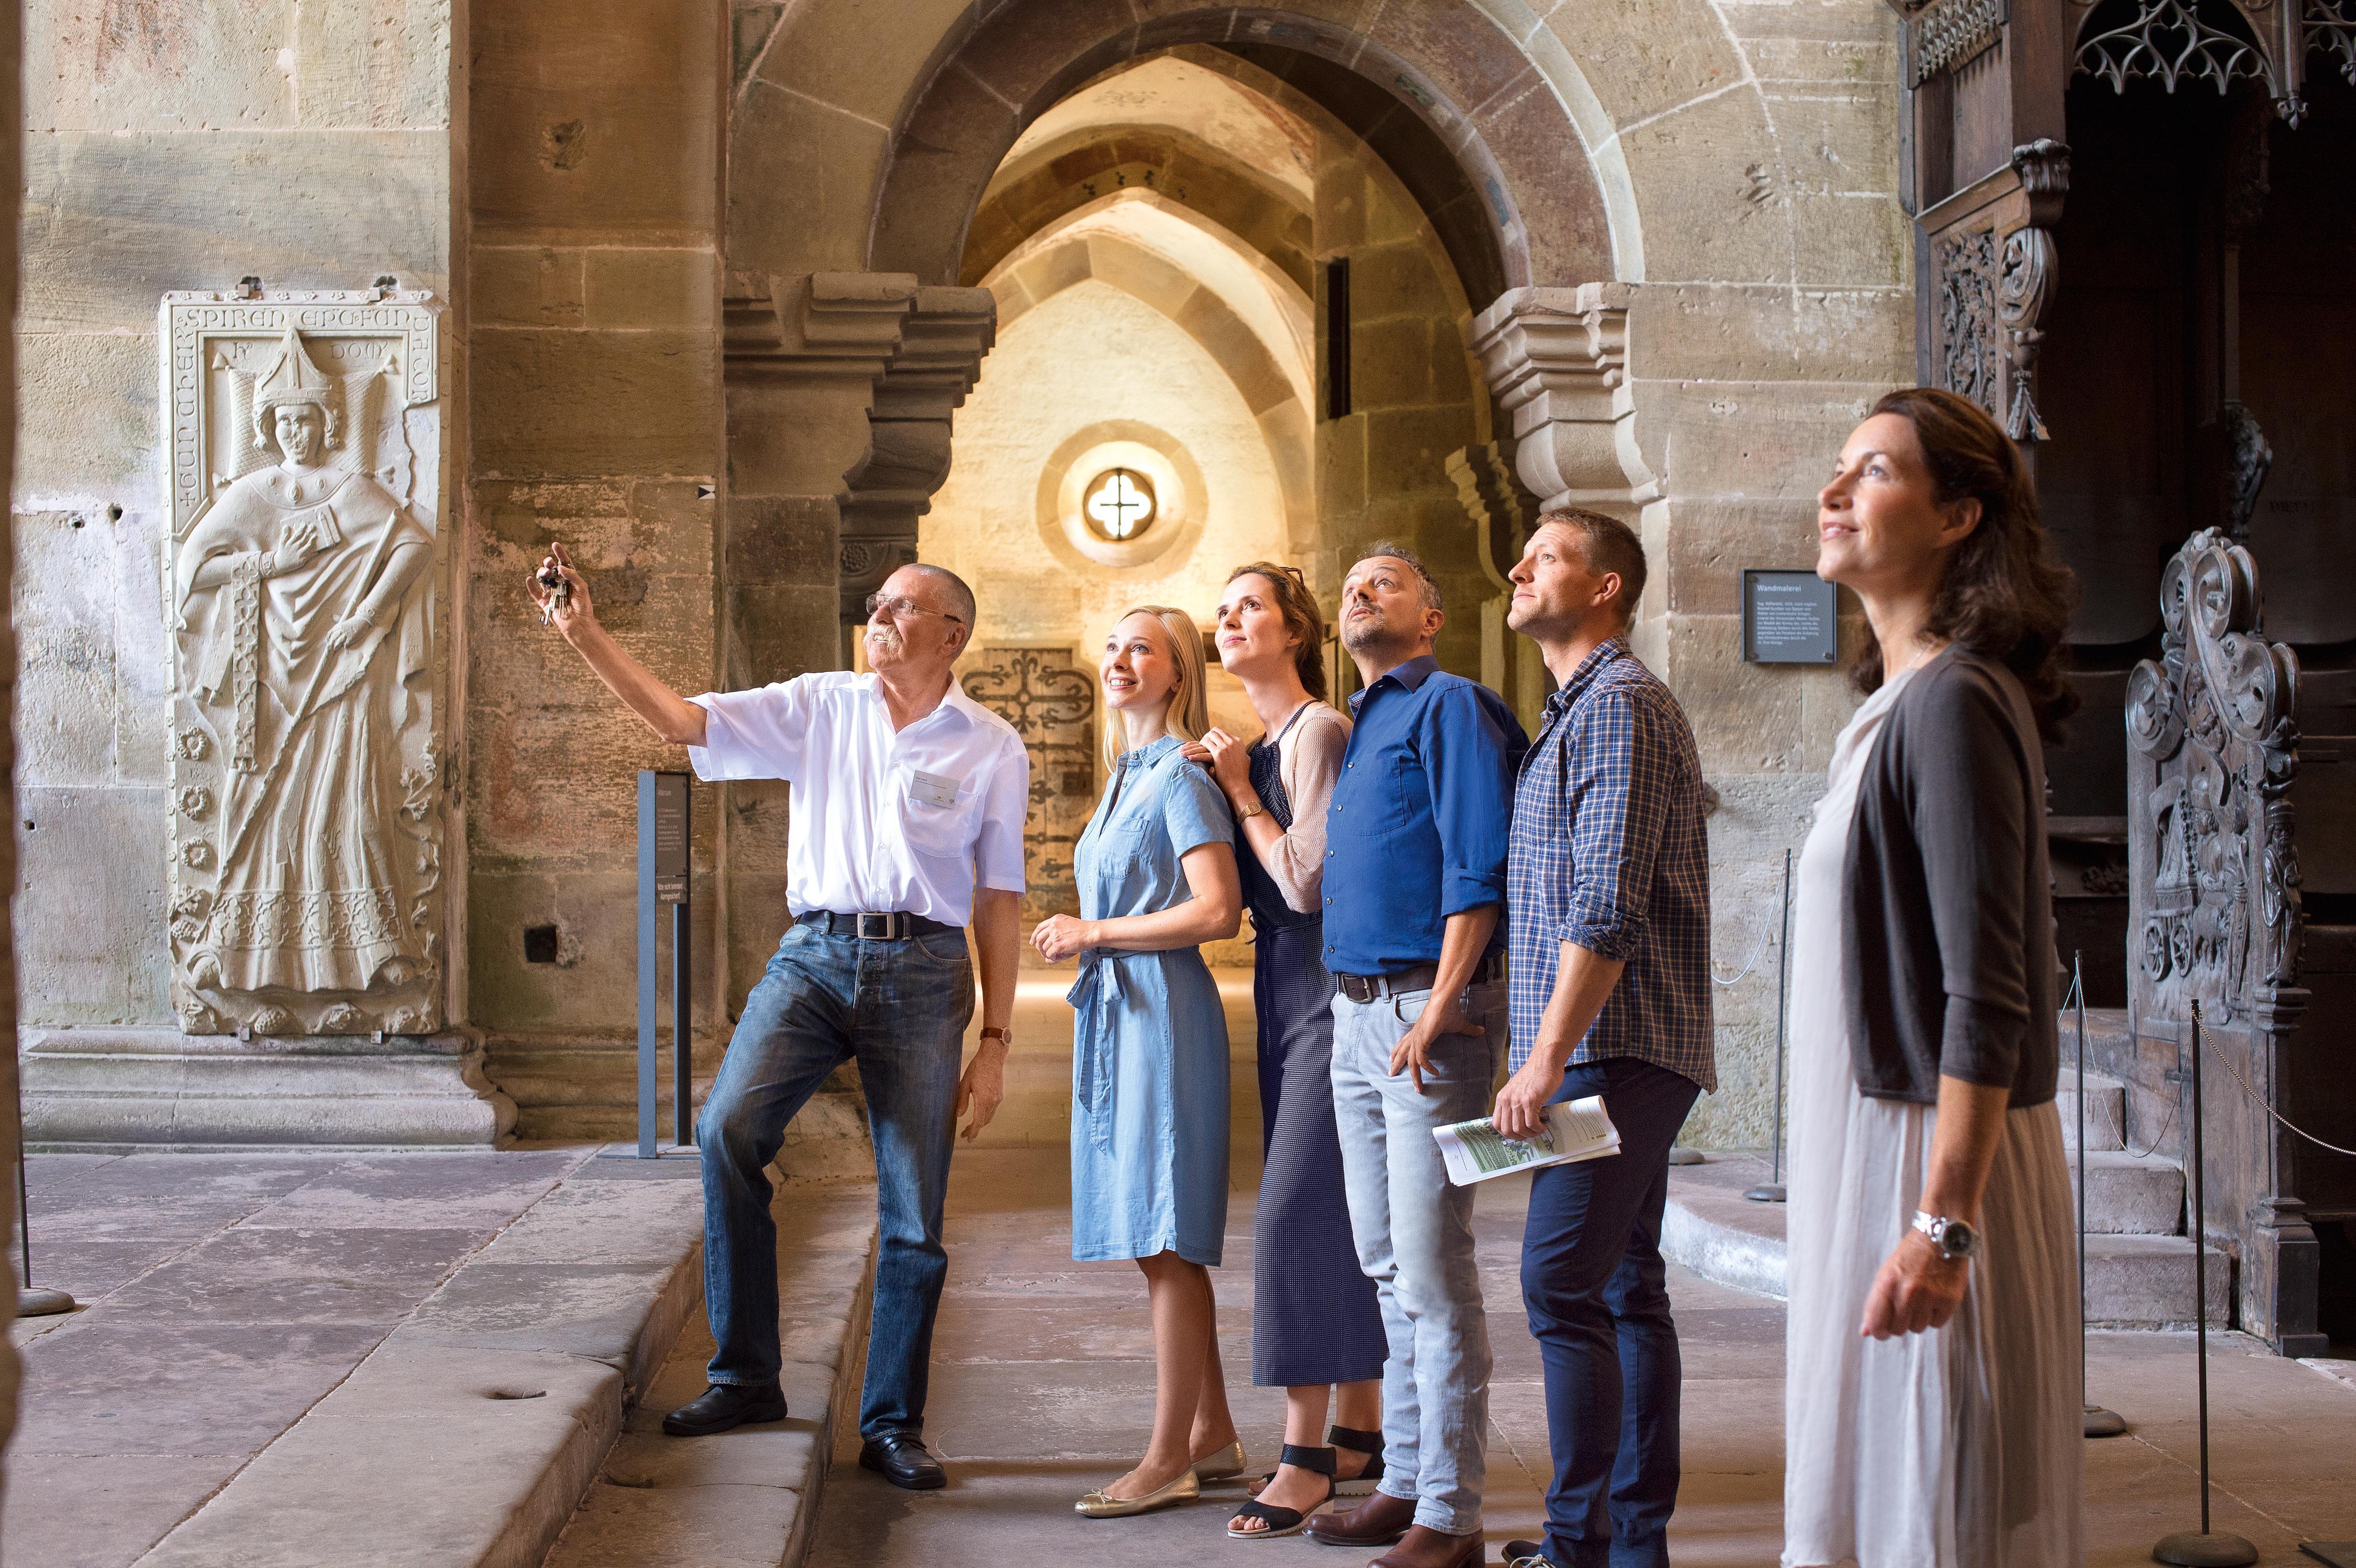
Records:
x=1608, y=879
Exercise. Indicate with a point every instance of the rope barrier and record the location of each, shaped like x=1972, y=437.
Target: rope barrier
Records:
x=1753, y=962
x=2269, y=1110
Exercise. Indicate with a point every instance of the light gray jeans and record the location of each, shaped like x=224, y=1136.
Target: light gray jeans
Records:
x=1415, y=1241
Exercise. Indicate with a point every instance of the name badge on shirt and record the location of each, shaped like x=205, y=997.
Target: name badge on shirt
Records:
x=931, y=789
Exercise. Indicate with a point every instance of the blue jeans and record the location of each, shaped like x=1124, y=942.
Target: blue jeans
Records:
x=1414, y=1232
x=1593, y=1280
x=899, y=1009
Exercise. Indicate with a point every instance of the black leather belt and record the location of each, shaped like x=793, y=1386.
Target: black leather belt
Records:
x=1376, y=988
x=892, y=927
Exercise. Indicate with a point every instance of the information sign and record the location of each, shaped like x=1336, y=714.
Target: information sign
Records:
x=1788, y=617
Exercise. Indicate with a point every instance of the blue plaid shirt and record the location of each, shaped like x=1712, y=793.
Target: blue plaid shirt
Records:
x=1608, y=851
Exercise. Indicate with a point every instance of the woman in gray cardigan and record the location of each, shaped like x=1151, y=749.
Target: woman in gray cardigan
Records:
x=1931, y=1411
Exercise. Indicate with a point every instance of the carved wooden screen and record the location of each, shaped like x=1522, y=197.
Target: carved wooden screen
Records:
x=1051, y=703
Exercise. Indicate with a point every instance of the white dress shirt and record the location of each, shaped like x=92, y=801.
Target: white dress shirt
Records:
x=872, y=829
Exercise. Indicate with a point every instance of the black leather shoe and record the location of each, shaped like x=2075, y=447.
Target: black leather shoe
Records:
x=901, y=1457
x=723, y=1406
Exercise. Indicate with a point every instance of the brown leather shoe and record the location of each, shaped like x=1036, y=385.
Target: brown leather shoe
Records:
x=1379, y=1520
x=1427, y=1548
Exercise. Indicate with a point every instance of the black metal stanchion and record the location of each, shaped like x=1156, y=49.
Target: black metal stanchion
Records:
x=31, y=1301
x=663, y=880
x=1771, y=1189
x=2208, y=1549
x=2099, y=1422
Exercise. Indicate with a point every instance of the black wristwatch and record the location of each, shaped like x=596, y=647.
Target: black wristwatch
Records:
x=1955, y=1238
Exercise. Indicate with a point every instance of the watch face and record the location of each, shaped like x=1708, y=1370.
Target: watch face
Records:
x=1958, y=1239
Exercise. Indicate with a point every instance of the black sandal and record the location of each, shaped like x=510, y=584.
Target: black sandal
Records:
x=1286, y=1521
x=1370, y=1444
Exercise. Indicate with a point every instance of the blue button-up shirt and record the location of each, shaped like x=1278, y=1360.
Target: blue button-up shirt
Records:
x=1610, y=853
x=1416, y=830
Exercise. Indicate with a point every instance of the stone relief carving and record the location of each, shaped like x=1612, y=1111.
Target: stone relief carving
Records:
x=1051, y=702
x=2215, y=716
x=307, y=782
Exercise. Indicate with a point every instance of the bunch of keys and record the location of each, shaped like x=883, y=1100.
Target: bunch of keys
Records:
x=560, y=594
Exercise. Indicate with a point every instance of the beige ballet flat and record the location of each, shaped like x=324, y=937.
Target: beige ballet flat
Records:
x=1104, y=1504
x=1221, y=1464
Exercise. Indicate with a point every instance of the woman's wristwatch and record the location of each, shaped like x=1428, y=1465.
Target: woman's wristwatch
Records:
x=1002, y=1036
x=1245, y=813
x=1955, y=1239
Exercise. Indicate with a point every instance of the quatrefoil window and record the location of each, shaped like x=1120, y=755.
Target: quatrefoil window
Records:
x=1118, y=505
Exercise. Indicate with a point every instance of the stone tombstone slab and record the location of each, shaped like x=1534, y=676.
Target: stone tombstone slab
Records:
x=305, y=489
x=1050, y=701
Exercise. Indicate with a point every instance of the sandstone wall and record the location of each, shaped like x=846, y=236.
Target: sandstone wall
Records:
x=171, y=145
x=594, y=277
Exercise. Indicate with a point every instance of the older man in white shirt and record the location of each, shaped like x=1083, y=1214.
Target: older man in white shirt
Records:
x=908, y=800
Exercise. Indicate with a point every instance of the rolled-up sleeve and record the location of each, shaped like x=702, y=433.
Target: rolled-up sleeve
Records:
x=754, y=734
x=1616, y=796
x=1471, y=780
x=998, y=848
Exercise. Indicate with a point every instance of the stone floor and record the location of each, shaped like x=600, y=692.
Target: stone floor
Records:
x=228, y=1300
x=1042, y=1389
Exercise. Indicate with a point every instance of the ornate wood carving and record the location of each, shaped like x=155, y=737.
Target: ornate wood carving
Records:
x=2215, y=716
x=1949, y=32
x=2329, y=28
x=1051, y=701
x=1967, y=323
x=2172, y=42
x=2215, y=908
x=2028, y=280
x=307, y=766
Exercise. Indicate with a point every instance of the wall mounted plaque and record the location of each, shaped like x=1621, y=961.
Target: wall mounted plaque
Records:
x=1789, y=617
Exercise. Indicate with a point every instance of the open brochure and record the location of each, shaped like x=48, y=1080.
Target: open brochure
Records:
x=1575, y=1130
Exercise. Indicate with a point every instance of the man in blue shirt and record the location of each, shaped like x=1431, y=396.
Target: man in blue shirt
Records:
x=1414, y=890
x=1610, y=889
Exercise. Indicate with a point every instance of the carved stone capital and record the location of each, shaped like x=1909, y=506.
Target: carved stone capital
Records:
x=1557, y=363
x=868, y=368
x=1500, y=508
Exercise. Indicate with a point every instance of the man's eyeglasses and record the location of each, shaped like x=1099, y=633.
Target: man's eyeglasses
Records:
x=901, y=608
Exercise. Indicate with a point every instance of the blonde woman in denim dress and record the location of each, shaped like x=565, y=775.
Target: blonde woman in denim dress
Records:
x=1157, y=876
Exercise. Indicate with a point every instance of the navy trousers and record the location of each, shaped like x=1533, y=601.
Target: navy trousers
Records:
x=1593, y=1280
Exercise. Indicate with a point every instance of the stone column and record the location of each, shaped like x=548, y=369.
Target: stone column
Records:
x=304, y=573
x=841, y=387
x=1556, y=364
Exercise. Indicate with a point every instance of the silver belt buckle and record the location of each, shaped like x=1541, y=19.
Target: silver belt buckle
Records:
x=889, y=932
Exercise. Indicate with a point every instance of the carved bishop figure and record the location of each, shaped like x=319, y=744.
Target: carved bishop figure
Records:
x=305, y=628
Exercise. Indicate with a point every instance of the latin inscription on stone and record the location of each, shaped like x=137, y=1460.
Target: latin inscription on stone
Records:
x=307, y=775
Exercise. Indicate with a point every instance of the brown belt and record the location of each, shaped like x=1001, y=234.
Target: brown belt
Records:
x=1377, y=988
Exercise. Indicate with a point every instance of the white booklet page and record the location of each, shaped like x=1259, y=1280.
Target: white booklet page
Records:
x=1575, y=1130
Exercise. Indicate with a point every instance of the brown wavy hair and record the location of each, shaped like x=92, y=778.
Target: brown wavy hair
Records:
x=2006, y=596
x=1303, y=618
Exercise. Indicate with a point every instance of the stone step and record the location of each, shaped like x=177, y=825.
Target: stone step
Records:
x=2146, y=1282
x=2106, y=1109
x=2132, y=1281
x=2132, y=1194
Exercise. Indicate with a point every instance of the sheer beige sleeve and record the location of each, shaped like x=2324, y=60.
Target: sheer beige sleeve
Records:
x=1309, y=760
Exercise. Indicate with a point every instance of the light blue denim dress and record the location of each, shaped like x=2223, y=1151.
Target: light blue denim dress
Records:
x=1150, y=1040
